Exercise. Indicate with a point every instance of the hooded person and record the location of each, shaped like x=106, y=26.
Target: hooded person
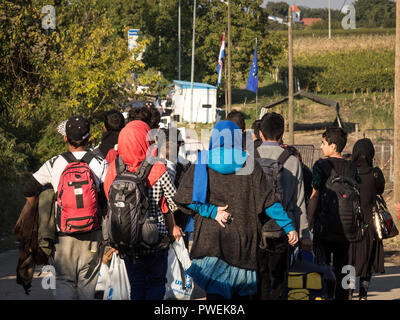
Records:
x=367, y=255
x=147, y=274
x=228, y=190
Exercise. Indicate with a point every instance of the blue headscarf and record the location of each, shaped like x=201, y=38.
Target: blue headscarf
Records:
x=225, y=155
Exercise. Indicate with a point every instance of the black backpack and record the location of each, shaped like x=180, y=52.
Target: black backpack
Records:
x=127, y=226
x=339, y=216
x=273, y=170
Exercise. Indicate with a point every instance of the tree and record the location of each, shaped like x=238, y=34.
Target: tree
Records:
x=80, y=67
x=279, y=9
x=158, y=21
x=375, y=13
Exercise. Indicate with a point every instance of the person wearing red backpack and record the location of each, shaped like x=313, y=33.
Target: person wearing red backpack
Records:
x=77, y=177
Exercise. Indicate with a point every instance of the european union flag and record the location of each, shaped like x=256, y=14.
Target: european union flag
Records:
x=252, y=80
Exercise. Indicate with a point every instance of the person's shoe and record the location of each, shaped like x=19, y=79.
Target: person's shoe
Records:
x=363, y=298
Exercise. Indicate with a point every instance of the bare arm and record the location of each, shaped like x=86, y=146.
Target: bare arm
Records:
x=173, y=228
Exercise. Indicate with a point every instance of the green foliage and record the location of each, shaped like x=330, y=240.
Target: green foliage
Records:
x=375, y=13
x=158, y=22
x=344, y=72
x=12, y=157
x=91, y=64
x=279, y=9
x=45, y=76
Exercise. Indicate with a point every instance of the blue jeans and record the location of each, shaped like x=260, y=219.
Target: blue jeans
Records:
x=147, y=276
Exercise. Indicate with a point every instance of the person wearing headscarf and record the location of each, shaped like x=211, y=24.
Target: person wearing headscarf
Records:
x=147, y=274
x=229, y=191
x=367, y=255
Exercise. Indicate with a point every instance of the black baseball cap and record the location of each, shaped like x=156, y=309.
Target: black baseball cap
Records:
x=77, y=128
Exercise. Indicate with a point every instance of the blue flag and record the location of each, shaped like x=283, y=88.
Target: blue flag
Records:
x=252, y=80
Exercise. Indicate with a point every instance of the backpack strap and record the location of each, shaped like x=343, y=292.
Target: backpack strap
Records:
x=88, y=157
x=119, y=165
x=144, y=169
x=69, y=157
x=97, y=152
x=283, y=157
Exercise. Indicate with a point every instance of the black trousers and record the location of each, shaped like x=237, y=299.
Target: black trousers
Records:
x=336, y=254
x=272, y=268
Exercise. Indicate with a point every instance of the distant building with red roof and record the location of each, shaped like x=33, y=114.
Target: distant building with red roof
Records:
x=310, y=21
x=295, y=14
x=295, y=9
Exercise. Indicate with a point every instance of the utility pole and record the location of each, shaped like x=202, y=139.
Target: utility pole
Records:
x=229, y=59
x=257, y=94
x=290, y=80
x=397, y=110
x=179, y=40
x=329, y=17
x=192, y=74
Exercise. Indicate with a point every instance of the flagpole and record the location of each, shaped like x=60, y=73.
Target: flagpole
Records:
x=179, y=41
x=256, y=95
x=291, y=116
x=192, y=75
x=229, y=65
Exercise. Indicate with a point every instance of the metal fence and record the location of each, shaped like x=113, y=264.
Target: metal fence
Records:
x=307, y=153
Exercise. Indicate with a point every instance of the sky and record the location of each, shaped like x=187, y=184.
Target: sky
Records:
x=335, y=4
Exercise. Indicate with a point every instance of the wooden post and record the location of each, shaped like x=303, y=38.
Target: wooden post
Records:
x=382, y=155
x=226, y=94
x=396, y=185
x=192, y=73
x=391, y=163
x=329, y=18
x=179, y=40
x=290, y=80
x=256, y=94
x=229, y=59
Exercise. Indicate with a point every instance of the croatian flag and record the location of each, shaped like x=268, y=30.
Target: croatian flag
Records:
x=221, y=56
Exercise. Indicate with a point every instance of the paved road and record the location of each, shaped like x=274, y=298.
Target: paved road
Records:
x=383, y=287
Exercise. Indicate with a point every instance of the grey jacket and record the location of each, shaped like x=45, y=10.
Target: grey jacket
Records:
x=293, y=188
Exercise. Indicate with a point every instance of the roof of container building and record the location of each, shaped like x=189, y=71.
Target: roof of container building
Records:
x=196, y=85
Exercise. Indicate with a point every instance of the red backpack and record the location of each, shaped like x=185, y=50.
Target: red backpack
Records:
x=77, y=196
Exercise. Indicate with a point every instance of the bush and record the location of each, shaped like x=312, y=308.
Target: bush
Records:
x=13, y=163
x=344, y=71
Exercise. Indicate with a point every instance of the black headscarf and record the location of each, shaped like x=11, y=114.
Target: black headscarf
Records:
x=363, y=152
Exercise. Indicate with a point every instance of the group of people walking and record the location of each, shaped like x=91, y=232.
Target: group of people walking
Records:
x=245, y=222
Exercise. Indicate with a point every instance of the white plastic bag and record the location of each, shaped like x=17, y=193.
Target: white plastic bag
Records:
x=103, y=277
x=118, y=286
x=179, y=284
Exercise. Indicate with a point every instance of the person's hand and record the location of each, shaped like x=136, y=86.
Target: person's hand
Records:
x=108, y=255
x=177, y=232
x=222, y=216
x=306, y=244
x=293, y=237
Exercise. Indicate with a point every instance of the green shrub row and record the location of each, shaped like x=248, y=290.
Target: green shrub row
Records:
x=343, y=72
